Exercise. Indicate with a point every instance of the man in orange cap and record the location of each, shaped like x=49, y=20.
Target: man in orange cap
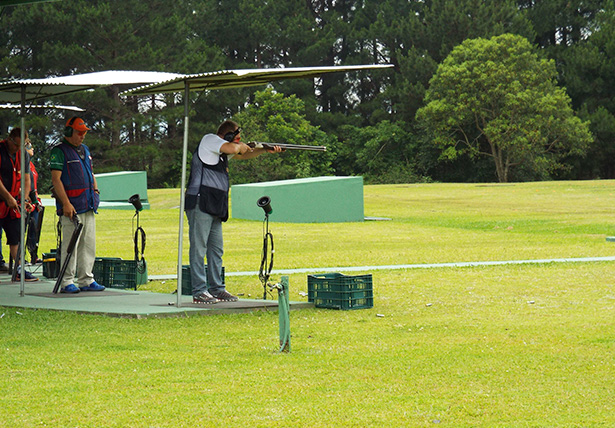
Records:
x=76, y=193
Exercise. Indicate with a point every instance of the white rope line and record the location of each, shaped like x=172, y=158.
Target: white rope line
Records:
x=411, y=266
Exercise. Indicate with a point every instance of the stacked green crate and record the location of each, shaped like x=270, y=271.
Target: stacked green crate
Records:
x=337, y=291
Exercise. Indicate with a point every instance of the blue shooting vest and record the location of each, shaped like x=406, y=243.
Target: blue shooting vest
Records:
x=209, y=184
x=78, y=180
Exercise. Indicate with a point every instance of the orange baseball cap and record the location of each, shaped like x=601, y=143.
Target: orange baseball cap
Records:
x=77, y=124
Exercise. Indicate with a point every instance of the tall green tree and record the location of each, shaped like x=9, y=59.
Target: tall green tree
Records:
x=497, y=98
x=560, y=23
x=589, y=75
x=417, y=36
x=382, y=153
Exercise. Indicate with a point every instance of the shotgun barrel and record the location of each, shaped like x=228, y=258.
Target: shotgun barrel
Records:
x=255, y=145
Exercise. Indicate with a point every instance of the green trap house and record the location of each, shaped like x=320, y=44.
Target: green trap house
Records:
x=116, y=188
x=304, y=200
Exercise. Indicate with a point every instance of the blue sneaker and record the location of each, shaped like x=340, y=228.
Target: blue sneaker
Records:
x=93, y=287
x=28, y=277
x=70, y=288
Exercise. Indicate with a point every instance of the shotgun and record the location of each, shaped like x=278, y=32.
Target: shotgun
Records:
x=69, y=251
x=258, y=145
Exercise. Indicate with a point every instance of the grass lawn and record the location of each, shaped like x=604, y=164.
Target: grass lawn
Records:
x=515, y=345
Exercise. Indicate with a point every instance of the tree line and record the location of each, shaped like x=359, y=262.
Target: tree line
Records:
x=480, y=90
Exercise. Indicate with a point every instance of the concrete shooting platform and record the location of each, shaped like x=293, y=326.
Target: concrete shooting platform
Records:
x=122, y=303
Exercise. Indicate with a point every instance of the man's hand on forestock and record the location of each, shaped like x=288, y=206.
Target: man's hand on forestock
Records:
x=275, y=149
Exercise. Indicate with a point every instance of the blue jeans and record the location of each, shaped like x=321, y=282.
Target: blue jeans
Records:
x=205, y=234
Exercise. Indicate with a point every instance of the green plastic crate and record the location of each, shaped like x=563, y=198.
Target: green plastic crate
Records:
x=337, y=291
x=122, y=273
x=113, y=272
x=101, y=269
x=187, y=282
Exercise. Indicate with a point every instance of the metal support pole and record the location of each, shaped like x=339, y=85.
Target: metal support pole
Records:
x=22, y=220
x=182, y=198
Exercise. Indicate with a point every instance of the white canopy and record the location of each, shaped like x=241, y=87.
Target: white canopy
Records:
x=11, y=91
x=241, y=78
x=42, y=106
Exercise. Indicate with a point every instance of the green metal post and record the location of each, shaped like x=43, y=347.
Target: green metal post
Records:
x=283, y=312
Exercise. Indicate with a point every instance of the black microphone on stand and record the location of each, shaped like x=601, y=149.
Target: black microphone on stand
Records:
x=265, y=268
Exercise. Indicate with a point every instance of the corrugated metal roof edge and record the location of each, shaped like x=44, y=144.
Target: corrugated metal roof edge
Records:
x=248, y=71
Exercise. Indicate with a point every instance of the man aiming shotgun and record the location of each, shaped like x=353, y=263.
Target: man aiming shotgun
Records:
x=207, y=207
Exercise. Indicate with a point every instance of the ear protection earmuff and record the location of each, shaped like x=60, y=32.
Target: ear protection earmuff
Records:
x=68, y=130
x=230, y=136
